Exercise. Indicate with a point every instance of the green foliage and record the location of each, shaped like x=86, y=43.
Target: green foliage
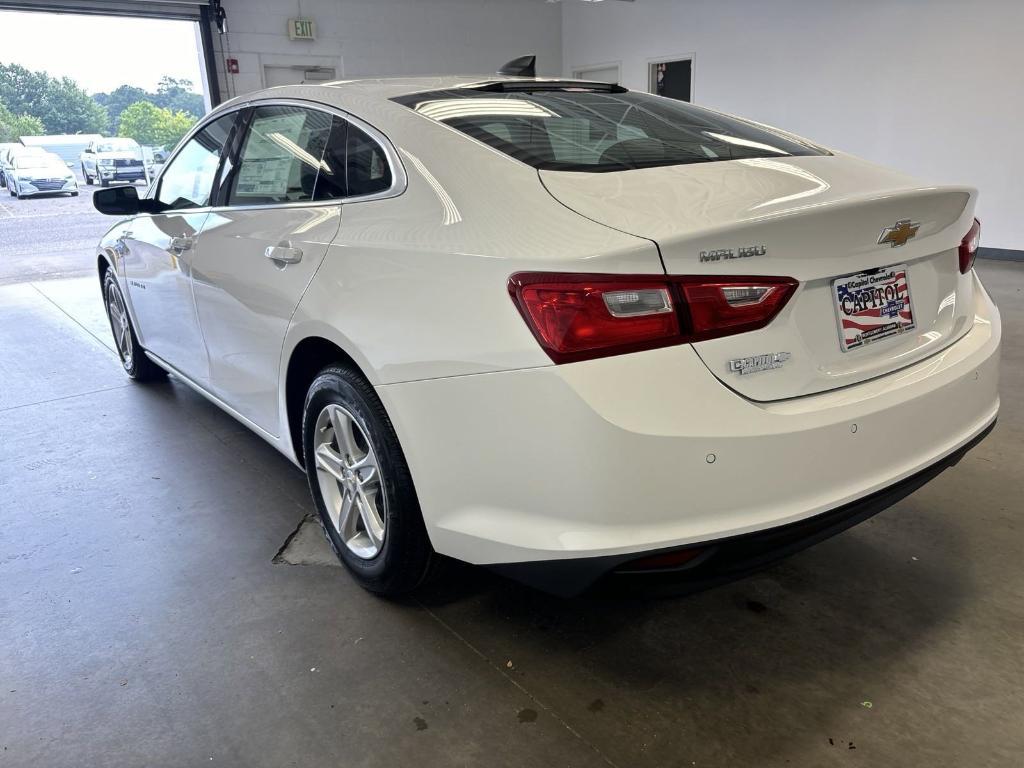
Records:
x=60, y=104
x=117, y=101
x=63, y=107
x=177, y=96
x=173, y=94
x=151, y=125
x=13, y=127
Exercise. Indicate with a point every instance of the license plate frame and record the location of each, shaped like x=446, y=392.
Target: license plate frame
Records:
x=875, y=304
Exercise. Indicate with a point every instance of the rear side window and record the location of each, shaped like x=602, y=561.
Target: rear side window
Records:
x=597, y=130
x=358, y=164
x=281, y=157
x=366, y=164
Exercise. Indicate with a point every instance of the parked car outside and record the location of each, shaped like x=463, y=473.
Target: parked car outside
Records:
x=154, y=158
x=558, y=328
x=41, y=174
x=7, y=155
x=112, y=159
x=3, y=151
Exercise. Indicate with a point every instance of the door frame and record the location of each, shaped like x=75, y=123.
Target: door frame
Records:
x=691, y=57
x=289, y=61
x=577, y=71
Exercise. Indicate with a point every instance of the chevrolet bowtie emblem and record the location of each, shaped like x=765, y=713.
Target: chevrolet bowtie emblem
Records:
x=899, y=233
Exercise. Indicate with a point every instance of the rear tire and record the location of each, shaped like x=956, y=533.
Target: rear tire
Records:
x=362, y=486
x=132, y=355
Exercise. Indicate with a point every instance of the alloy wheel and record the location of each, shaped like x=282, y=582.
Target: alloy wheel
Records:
x=119, y=324
x=349, y=477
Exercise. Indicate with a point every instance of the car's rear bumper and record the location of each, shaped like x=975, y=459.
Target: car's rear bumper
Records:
x=643, y=452
x=699, y=566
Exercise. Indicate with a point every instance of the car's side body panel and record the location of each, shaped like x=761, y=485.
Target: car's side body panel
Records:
x=158, y=276
x=245, y=299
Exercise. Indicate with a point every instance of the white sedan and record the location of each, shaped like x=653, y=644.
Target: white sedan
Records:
x=558, y=328
x=42, y=173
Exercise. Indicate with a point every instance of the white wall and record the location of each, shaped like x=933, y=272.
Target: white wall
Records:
x=934, y=88
x=367, y=38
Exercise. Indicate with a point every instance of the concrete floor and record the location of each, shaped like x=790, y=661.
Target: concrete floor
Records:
x=143, y=620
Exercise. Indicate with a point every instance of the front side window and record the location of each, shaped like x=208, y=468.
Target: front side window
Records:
x=282, y=156
x=188, y=181
x=597, y=130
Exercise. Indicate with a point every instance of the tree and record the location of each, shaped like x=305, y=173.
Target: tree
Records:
x=13, y=127
x=154, y=126
x=176, y=95
x=60, y=104
x=117, y=101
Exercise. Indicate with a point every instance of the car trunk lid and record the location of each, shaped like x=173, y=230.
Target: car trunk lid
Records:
x=817, y=220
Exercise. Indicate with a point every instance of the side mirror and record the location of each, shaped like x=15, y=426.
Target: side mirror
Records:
x=88, y=150
x=121, y=201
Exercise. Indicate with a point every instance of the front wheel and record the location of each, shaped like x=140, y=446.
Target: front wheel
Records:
x=133, y=358
x=104, y=182
x=361, y=485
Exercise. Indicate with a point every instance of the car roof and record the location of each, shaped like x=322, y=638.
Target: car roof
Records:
x=340, y=92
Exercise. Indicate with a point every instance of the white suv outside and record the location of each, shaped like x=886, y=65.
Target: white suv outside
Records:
x=112, y=159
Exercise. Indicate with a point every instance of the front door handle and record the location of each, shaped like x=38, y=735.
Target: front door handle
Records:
x=182, y=243
x=283, y=254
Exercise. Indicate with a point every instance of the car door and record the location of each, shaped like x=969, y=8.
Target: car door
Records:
x=260, y=248
x=161, y=248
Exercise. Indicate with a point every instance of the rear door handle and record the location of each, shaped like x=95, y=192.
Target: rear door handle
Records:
x=283, y=254
x=179, y=244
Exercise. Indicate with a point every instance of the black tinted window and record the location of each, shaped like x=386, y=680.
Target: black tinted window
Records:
x=333, y=186
x=281, y=157
x=575, y=129
x=363, y=159
x=368, y=171
x=188, y=181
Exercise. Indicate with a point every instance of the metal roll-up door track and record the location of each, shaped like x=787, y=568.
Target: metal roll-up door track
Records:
x=158, y=9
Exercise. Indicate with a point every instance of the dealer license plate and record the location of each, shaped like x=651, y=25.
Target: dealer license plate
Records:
x=871, y=306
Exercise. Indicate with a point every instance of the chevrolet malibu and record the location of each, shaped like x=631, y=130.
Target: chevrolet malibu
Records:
x=558, y=328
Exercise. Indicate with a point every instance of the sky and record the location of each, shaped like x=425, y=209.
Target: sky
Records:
x=146, y=50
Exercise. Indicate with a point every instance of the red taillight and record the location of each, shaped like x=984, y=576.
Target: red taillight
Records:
x=580, y=316
x=724, y=306
x=969, y=247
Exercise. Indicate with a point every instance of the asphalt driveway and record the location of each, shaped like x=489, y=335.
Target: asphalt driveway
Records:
x=47, y=237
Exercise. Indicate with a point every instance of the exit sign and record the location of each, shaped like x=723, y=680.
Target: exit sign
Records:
x=301, y=29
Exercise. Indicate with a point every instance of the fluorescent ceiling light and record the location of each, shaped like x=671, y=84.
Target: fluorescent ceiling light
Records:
x=452, y=109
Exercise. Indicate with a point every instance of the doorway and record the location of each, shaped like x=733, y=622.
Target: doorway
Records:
x=297, y=74
x=598, y=73
x=672, y=78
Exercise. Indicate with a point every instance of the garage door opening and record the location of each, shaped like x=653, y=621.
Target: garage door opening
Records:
x=88, y=100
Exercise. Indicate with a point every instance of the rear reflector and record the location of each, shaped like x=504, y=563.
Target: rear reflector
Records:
x=583, y=316
x=666, y=561
x=969, y=247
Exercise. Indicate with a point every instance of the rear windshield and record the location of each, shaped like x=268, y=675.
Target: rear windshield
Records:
x=576, y=129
